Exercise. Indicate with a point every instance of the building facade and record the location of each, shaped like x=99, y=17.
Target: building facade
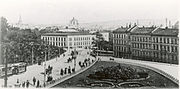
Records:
x=141, y=44
x=147, y=43
x=69, y=40
x=105, y=35
x=121, y=42
x=165, y=45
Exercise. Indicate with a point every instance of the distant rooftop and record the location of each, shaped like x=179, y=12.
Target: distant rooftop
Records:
x=124, y=29
x=166, y=31
x=67, y=30
x=143, y=30
x=65, y=34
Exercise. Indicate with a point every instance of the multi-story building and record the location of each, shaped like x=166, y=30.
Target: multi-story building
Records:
x=147, y=43
x=141, y=45
x=121, y=42
x=105, y=35
x=165, y=45
x=69, y=40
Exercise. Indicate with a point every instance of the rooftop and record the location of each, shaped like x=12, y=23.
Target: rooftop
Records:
x=143, y=30
x=66, y=34
x=124, y=29
x=121, y=30
x=166, y=31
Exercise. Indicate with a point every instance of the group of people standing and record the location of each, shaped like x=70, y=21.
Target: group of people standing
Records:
x=66, y=70
x=36, y=82
x=86, y=62
x=26, y=84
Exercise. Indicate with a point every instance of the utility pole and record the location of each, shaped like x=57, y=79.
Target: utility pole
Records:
x=45, y=68
x=32, y=55
x=6, y=65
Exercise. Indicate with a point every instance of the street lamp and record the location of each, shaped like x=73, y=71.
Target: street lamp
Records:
x=45, y=68
x=32, y=52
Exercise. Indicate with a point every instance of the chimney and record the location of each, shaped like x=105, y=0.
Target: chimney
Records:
x=166, y=22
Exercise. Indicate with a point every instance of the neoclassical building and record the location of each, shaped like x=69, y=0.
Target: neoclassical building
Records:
x=69, y=40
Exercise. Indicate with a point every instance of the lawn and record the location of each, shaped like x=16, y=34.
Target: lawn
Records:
x=82, y=80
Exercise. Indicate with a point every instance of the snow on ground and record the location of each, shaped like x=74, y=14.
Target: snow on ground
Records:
x=56, y=63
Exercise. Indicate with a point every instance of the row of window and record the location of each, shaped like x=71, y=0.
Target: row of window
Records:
x=81, y=38
x=61, y=44
x=120, y=35
x=141, y=45
x=165, y=48
x=141, y=39
x=80, y=43
x=168, y=40
x=155, y=55
x=54, y=38
x=122, y=42
x=121, y=49
x=165, y=40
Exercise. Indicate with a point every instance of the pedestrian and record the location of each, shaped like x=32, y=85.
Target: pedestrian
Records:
x=23, y=84
x=65, y=71
x=37, y=84
x=27, y=84
x=17, y=83
x=61, y=72
x=69, y=70
x=34, y=80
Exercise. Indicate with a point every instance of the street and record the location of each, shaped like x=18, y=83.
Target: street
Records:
x=37, y=70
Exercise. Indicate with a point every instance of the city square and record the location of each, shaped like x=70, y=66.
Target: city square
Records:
x=102, y=44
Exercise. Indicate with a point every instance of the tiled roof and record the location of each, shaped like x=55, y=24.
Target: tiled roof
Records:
x=121, y=30
x=164, y=31
x=143, y=30
x=65, y=34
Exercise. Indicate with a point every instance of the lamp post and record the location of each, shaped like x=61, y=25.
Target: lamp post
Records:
x=6, y=65
x=32, y=52
x=45, y=68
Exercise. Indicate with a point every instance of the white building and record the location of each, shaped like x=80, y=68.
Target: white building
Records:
x=69, y=40
x=105, y=35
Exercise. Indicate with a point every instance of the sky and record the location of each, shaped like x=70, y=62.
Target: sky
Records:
x=86, y=11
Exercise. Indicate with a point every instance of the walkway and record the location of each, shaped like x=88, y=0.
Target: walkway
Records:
x=170, y=69
x=37, y=70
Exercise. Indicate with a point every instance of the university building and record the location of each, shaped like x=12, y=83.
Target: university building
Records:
x=146, y=43
x=69, y=40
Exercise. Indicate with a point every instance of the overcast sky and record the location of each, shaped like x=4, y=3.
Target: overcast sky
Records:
x=61, y=11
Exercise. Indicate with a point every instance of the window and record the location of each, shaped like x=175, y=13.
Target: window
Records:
x=175, y=41
x=168, y=40
x=160, y=40
x=164, y=40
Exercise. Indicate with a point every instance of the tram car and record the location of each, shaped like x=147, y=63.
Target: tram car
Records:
x=12, y=69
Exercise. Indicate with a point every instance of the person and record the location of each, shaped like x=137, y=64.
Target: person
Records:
x=61, y=72
x=65, y=71
x=34, y=80
x=27, y=84
x=37, y=84
x=69, y=70
x=17, y=83
x=23, y=84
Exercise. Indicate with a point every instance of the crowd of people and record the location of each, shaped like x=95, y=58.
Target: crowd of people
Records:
x=86, y=62
x=63, y=71
x=26, y=84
